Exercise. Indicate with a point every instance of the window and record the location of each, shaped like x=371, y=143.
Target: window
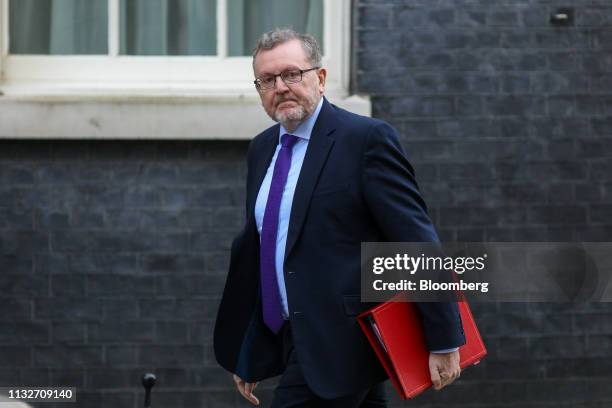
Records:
x=196, y=43
x=151, y=27
x=121, y=68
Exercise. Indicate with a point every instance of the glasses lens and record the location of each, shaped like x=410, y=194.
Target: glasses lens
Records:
x=266, y=82
x=292, y=76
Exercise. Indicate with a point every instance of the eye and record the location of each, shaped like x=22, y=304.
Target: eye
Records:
x=292, y=75
x=266, y=79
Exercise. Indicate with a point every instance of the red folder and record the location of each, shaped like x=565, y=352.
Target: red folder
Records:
x=398, y=340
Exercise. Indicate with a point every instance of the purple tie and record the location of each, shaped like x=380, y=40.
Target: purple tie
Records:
x=271, y=302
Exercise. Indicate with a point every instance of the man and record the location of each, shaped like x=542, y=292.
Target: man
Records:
x=319, y=183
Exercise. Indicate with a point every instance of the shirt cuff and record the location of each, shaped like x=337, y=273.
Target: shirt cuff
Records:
x=450, y=350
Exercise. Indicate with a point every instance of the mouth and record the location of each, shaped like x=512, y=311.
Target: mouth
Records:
x=286, y=104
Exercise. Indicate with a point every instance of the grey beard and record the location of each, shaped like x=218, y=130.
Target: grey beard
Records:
x=297, y=115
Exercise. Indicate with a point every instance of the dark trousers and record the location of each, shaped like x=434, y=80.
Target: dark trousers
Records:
x=293, y=391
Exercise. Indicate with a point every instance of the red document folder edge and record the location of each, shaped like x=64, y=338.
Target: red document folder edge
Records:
x=404, y=355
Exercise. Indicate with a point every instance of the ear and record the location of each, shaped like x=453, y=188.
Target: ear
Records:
x=322, y=74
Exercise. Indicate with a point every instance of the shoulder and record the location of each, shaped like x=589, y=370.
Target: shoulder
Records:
x=262, y=139
x=349, y=119
x=363, y=127
x=264, y=136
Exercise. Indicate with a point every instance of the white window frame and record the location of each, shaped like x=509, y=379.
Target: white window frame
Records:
x=193, y=89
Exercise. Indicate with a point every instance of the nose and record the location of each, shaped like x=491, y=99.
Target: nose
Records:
x=279, y=85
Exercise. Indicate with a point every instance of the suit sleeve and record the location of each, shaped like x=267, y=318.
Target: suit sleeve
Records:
x=393, y=197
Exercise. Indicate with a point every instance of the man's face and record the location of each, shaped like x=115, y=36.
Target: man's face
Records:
x=289, y=104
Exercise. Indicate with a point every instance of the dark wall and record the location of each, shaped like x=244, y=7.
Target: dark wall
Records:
x=506, y=118
x=113, y=254
x=113, y=257
x=508, y=122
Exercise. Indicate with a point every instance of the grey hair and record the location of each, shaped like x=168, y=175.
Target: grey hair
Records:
x=271, y=39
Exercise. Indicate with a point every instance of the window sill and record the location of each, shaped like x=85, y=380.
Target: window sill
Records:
x=175, y=113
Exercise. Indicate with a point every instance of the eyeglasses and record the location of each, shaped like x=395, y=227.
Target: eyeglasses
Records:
x=290, y=76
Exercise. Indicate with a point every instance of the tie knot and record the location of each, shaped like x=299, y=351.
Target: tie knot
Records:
x=288, y=140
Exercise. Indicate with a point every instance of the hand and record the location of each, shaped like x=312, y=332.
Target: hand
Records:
x=246, y=389
x=444, y=369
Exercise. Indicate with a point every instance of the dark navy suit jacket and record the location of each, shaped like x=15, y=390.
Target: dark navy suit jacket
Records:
x=355, y=185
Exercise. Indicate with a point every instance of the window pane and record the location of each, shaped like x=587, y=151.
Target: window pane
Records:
x=168, y=27
x=58, y=26
x=248, y=19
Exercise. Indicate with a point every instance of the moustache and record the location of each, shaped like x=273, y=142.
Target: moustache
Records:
x=278, y=102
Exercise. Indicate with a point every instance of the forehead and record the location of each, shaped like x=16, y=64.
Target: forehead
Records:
x=286, y=55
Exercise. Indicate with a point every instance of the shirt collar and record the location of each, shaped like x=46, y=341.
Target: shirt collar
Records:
x=304, y=130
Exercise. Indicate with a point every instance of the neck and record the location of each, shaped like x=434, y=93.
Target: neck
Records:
x=291, y=126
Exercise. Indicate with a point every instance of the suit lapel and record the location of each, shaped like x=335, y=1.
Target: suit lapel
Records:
x=261, y=166
x=319, y=146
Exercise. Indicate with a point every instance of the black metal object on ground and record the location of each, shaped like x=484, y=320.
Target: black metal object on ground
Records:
x=148, y=381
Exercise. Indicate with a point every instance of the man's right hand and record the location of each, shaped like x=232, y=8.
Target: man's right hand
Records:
x=246, y=389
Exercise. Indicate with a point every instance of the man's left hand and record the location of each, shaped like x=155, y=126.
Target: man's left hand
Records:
x=444, y=369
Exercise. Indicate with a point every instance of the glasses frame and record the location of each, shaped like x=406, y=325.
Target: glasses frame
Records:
x=259, y=87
